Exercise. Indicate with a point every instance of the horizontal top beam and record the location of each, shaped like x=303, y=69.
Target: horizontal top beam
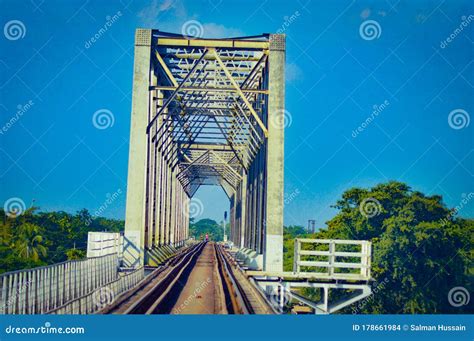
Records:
x=239, y=44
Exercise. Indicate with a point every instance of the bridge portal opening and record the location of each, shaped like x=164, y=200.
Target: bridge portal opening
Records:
x=206, y=210
x=206, y=112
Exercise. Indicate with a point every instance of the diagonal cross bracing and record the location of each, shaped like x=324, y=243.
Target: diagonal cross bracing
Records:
x=212, y=96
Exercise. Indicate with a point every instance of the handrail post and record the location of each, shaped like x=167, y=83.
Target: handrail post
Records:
x=368, y=259
x=296, y=256
x=332, y=257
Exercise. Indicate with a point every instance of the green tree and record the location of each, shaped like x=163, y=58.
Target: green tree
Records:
x=202, y=227
x=75, y=254
x=420, y=249
x=29, y=242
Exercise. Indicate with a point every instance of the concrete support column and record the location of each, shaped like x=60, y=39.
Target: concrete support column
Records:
x=273, y=259
x=137, y=169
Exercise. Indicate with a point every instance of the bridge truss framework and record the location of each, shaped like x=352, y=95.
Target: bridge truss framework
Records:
x=206, y=112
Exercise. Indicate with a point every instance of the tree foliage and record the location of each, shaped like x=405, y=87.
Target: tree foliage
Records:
x=199, y=229
x=420, y=250
x=40, y=238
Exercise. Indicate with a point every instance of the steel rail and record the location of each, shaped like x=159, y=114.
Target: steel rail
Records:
x=149, y=302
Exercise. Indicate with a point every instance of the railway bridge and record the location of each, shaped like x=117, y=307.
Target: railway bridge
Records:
x=204, y=112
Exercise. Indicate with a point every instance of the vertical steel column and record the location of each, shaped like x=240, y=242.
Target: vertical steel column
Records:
x=173, y=204
x=243, y=211
x=151, y=169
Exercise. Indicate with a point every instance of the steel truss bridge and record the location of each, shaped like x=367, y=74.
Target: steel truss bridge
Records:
x=204, y=112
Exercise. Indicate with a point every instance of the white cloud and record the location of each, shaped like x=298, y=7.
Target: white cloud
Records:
x=212, y=30
x=293, y=72
x=170, y=15
x=154, y=14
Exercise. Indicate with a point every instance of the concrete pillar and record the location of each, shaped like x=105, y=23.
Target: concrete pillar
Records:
x=137, y=162
x=273, y=256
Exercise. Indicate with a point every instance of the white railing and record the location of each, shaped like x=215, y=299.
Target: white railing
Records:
x=43, y=289
x=104, y=243
x=336, y=257
x=104, y=296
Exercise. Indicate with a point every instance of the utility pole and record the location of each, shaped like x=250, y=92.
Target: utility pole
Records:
x=225, y=218
x=311, y=226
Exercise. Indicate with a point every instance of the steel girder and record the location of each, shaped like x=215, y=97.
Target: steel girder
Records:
x=210, y=120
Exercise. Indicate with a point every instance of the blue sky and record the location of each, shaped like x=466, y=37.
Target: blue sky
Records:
x=337, y=75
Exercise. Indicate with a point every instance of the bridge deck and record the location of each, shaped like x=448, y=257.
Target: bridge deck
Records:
x=202, y=292
x=200, y=280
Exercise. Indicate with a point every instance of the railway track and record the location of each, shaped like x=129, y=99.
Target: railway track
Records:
x=202, y=280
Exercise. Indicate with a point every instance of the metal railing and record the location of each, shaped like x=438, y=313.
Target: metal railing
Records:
x=338, y=259
x=43, y=289
x=103, y=296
